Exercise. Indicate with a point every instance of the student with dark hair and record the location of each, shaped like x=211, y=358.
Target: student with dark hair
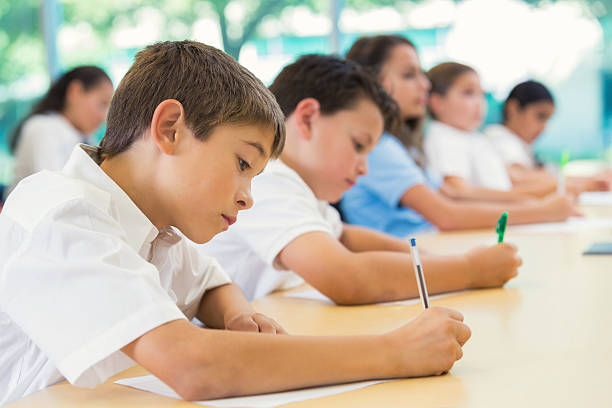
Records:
x=94, y=276
x=72, y=109
x=455, y=148
x=398, y=196
x=526, y=112
x=335, y=114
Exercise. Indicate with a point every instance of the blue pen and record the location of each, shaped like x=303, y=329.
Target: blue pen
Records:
x=418, y=271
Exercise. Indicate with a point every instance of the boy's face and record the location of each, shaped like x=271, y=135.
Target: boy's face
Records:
x=463, y=105
x=530, y=121
x=210, y=181
x=338, y=148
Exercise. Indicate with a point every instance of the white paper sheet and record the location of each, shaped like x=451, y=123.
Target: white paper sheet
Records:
x=153, y=384
x=313, y=294
x=573, y=224
x=597, y=198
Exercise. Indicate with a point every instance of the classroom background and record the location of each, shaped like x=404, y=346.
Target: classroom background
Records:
x=567, y=44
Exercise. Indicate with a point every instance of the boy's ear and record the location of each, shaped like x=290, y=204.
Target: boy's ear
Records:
x=167, y=119
x=435, y=103
x=512, y=108
x=74, y=89
x=306, y=111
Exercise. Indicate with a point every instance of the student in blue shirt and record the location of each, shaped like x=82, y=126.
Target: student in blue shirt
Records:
x=397, y=195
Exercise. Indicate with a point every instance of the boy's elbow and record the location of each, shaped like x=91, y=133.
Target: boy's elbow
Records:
x=192, y=386
x=349, y=295
x=445, y=222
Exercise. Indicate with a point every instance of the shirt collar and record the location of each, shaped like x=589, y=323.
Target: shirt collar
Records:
x=84, y=164
x=443, y=127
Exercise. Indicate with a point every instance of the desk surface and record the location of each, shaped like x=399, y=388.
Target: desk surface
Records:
x=543, y=340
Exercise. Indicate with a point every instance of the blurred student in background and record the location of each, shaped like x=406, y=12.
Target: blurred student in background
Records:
x=73, y=108
x=398, y=195
x=526, y=112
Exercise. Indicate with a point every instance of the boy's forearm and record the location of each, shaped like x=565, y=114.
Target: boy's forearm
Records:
x=384, y=276
x=220, y=304
x=263, y=363
x=205, y=364
x=360, y=239
x=485, y=194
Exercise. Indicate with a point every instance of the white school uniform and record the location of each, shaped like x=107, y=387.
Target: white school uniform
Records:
x=83, y=272
x=45, y=143
x=510, y=146
x=470, y=155
x=284, y=208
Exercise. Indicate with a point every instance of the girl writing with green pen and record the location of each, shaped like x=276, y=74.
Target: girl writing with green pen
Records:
x=397, y=195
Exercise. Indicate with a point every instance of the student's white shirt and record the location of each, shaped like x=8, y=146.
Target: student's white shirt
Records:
x=284, y=208
x=83, y=272
x=45, y=143
x=470, y=155
x=510, y=146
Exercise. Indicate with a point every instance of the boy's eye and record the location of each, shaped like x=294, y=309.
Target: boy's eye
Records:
x=409, y=75
x=243, y=164
x=358, y=146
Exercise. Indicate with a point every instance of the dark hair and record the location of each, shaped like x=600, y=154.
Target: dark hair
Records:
x=334, y=82
x=526, y=93
x=373, y=53
x=213, y=88
x=55, y=98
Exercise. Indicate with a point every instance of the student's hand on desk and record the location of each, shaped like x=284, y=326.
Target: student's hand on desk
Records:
x=560, y=207
x=493, y=266
x=599, y=182
x=254, y=322
x=429, y=344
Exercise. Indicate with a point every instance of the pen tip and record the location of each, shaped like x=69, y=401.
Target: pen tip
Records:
x=412, y=242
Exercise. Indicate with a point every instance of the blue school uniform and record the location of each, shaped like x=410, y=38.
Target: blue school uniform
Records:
x=374, y=201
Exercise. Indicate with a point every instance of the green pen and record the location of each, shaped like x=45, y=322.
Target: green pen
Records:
x=565, y=158
x=501, y=227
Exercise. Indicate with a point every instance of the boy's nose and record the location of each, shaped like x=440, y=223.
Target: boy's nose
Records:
x=244, y=199
x=362, y=166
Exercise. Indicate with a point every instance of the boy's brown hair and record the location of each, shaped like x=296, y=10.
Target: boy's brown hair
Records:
x=213, y=88
x=334, y=82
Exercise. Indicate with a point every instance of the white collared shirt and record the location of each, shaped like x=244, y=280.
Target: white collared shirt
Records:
x=83, y=272
x=45, y=143
x=469, y=155
x=284, y=208
x=510, y=146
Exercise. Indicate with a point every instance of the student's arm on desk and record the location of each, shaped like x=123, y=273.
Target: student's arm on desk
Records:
x=206, y=363
x=360, y=239
x=533, y=182
x=448, y=214
x=225, y=307
x=348, y=277
x=458, y=188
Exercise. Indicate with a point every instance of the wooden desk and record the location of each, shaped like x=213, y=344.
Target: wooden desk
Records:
x=544, y=340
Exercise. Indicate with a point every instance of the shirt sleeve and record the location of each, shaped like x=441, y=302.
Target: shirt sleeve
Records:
x=81, y=293
x=42, y=146
x=391, y=172
x=284, y=208
x=511, y=151
x=448, y=155
x=196, y=274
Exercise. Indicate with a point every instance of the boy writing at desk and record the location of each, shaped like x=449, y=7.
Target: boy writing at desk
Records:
x=334, y=117
x=93, y=276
